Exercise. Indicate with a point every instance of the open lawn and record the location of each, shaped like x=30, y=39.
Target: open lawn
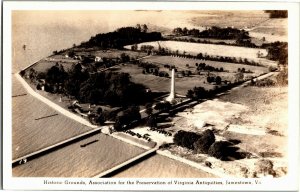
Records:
x=181, y=64
x=162, y=84
x=239, y=19
x=229, y=41
x=45, y=64
x=209, y=49
x=111, y=53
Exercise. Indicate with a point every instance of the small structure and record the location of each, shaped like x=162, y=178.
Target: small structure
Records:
x=98, y=59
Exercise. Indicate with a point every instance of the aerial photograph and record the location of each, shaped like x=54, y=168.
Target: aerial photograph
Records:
x=150, y=93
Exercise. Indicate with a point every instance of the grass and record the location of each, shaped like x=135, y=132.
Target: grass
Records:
x=229, y=41
x=112, y=53
x=239, y=19
x=209, y=49
x=162, y=84
x=181, y=64
x=45, y=64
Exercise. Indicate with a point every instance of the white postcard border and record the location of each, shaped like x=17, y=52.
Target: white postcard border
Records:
x=289, y=182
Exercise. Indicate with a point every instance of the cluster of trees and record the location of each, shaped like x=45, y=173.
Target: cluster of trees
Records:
x=206, y=143
x=216, y=58
x=277, y=13
x=162, y=106
x=198, y=93
x=214, y=32
x=149, y=68
x=227, y=59
x=204, y=66
x=200, y=143
x=110, y=88
x=127, y=118
x=114, y=89
x=147, y=48
x=121, y=37
x=217, y=79
x=277, y=51
x=243, y=70
x=201, y=93
x=263, y=83
x=186, y=139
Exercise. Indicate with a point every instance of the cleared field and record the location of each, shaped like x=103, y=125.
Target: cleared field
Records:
x=181, y=64
x=209, y=49
x=239, y=19
x=164, y=167
x=157, y=84
x=112, y=53
x=272, y=26
x=76, y=161
x=162, y=84
x=29, y=133
x=229, y=41
x=45, y=64
x=270, y=103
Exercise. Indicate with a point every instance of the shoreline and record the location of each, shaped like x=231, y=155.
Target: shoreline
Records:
x=85, y=122
x=52, y=104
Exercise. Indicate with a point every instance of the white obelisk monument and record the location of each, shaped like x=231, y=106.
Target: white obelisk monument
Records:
x=171, y=97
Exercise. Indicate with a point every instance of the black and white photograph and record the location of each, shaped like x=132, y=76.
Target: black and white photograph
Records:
x=150, y=93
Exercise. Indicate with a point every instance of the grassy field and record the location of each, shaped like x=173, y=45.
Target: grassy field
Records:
x=43, y=65
x=229, y=41
x=113, y=53
x=162, y=84
x=164, y=167
x=76, y=161
x=239, y=19
x=209, y=49
x=181, y=64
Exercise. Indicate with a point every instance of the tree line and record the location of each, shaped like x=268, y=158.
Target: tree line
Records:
x=277, y=13
x=110, y=88
x=121, y=37
x=214, y=32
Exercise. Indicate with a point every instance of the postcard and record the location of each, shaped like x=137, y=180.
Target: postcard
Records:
x=150, y=95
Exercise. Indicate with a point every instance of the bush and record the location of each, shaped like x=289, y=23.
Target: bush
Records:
x=204, y=142
x=218, y=80
x=219, y=150
x=186, y=139
x=282, y=78
x=265, y=167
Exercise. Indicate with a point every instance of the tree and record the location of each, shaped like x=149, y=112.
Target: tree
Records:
x=190, y=94
x=218, y=80
x=239, y=77
x=204, y=142
x=152, y=121
x=186, y=139
x=138, y=26
x=149, y=109
x=219, y=150
x=144, y=28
